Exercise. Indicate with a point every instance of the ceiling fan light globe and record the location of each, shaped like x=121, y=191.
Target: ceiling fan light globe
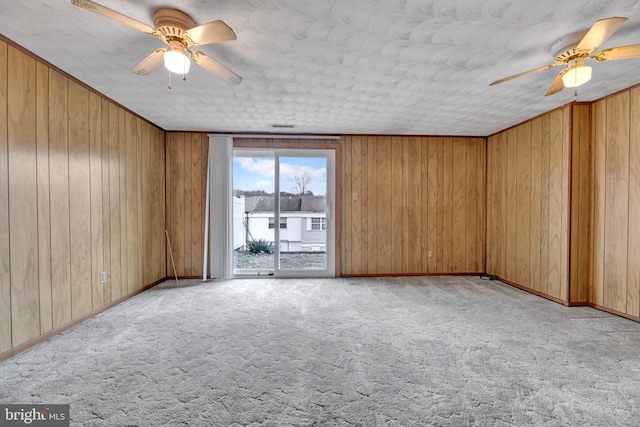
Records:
x=577, y=76
x=176, y=61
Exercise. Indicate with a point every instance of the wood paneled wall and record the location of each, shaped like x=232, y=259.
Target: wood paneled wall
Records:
x=581, y=194
x=412, y=205
x=616, y=203
x=186, y=165
x=528, y=204
x=81, y=192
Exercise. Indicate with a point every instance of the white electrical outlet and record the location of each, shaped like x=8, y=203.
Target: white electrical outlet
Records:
x=103, y=277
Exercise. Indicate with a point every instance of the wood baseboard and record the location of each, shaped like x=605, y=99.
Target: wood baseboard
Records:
x=572, y=303
x=410, y=274
x=55, y=331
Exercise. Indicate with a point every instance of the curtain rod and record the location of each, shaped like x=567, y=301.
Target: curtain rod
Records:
x=274, y=136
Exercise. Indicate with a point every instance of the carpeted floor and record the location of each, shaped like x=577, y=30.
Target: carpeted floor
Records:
x=444, y=351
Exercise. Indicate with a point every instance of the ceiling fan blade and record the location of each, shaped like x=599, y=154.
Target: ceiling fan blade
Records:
x=215, y=68
x=599, y=32
x=546, y=67
x=150, y=63
x=213, y=32
x=557, y=84
x=112, y=14
x=622, y=52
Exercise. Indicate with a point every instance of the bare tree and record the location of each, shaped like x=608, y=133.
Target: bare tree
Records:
x=301, y=183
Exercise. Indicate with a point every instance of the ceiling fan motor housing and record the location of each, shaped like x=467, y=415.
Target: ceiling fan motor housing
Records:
x=172, y=23
x=564, y=50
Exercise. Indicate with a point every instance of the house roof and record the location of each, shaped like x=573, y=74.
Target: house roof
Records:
x=287, y=204
x=313, y=204
x=419, y=67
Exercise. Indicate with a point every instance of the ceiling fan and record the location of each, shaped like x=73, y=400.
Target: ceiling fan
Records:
x=574, y=49
x=180, y=32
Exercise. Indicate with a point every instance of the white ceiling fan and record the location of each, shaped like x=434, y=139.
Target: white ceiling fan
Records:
x=181, y=34
x=574, y=49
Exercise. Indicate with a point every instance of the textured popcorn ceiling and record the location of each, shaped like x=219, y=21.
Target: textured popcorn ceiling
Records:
x=335, y=66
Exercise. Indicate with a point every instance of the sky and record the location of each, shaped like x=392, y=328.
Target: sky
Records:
x=254, y=173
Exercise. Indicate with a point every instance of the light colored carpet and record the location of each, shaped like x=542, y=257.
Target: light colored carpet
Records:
x=391, y=351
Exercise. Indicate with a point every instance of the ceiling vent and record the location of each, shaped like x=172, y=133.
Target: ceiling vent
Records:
x=282, y=126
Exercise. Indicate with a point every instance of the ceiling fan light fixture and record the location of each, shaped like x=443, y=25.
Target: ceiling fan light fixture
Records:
x=577, y=75
x=176, y=61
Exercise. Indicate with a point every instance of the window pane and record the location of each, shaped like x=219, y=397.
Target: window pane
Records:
x=303, y=202
x=253, y=212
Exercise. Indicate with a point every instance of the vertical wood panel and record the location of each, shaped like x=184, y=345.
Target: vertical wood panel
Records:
x=158, y=201
x=472, y=208
x=124, y=254
x=544, y=205
x=415, y=204
x=535, y=204
x=44, y=211
x=131, y=153
x=115, y=276
x=385, y=218
x=442, y=218
x=633, y=256
x=106, y=208
x=95, y=185
x=481, y=201
x=598, y=204
x=511, y=199
x=504, y=236
x=459, y=183
x=566, y=203
x=397, y=208
x=144, y=219
x=79, y=200
x=186, y=253
x=5, y=268
x=584, y=207
x=493, y=201
x=372, y=205
x=197, y=202
x=580, y=243
x=149, y=194
x=59, y=199
x=429, y=220
x=404, y=143
x=364, y=217
x=177, y=199
x=617, y=202
x=140, y=167
x=23, y=199
x=523, y=205
x=447, y=205
x=556, y=256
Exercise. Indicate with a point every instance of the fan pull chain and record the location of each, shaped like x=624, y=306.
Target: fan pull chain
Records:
x=575, y=95
x=170, y=80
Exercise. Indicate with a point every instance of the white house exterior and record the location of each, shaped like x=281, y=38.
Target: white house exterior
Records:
x=302, y=222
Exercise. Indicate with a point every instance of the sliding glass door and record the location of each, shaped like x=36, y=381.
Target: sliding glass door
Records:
x=283, y=222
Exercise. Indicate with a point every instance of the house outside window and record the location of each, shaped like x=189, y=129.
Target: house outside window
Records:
x=283, y=223
x=318, y=223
